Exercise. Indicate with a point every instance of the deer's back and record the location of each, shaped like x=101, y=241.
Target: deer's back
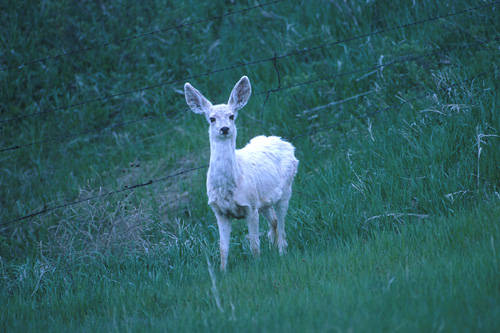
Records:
x=267, y=166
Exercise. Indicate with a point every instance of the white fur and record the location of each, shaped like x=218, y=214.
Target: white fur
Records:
x=241, y=183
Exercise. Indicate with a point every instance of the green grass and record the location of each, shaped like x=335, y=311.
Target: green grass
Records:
x=393, y=224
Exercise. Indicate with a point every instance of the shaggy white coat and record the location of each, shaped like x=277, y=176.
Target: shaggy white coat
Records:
x=241, y=183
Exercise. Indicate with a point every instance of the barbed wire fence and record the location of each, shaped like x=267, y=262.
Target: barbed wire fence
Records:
x=246, y=64
x=64, y=138
x=267, y=93
x=402, y=59
x=127, y=188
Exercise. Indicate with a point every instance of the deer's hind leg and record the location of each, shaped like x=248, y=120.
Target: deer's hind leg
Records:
x=272, y=220
x=281, y=208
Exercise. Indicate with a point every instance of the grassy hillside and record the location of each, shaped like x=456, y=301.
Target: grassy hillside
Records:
x=393, y=110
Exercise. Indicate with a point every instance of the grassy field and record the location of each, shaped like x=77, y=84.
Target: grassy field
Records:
x=393, y=110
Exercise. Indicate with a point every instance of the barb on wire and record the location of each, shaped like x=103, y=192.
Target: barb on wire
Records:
x=138, y=36
x=244, y=64
x=276, y=69
x=124, y=189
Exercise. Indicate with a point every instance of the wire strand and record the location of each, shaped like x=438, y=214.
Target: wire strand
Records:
x=238, y=65
x=64, y=138
x=138, y=36
x=125, y=189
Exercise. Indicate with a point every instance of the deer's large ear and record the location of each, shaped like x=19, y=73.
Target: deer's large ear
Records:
x=240, y=94
x=196, y=101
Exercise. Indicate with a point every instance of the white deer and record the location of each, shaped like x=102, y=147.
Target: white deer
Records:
x=241, y=183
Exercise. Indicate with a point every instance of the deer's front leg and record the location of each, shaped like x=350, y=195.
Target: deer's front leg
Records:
x=224, y=225
x=253, y=231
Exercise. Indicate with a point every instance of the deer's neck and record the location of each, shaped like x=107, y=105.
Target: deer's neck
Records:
x=223, y=169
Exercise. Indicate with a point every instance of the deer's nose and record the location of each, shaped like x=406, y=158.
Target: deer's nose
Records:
x=224, y=130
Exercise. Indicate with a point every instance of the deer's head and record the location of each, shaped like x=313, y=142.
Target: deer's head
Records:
x=221, y=117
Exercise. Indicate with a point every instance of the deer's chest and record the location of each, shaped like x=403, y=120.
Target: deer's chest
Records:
x=223, y=202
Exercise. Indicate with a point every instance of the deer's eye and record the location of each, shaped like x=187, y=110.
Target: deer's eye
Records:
x=212, y=119
x=231, y=117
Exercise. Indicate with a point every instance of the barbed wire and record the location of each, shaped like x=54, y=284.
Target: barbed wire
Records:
x=106, y=130
x=403, y=59
x=161, y=179
x=64, y=138
x=137, y=36
x=244, y=64
x=58, y=139
x=108, y=193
